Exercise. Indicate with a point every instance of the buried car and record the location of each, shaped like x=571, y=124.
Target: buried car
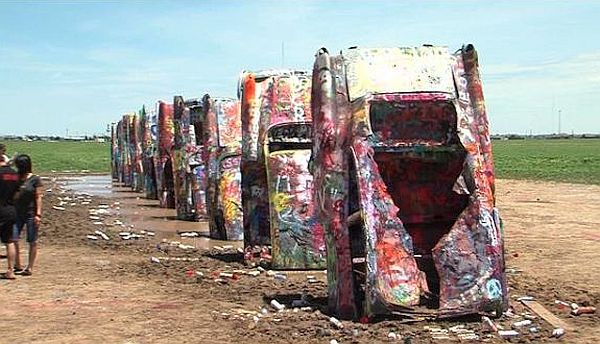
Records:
x=165, y=184
x=149, y=135
x=276, y=182
x=404, y=183
x=190, y=177
x=135, y=147
x=125, y=165
x=222, y=143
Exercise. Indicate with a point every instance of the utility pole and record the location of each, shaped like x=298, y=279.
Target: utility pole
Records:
x=282, y=54
x=559, y=111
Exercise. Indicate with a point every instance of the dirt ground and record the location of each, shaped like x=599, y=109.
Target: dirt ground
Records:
x=111, y=291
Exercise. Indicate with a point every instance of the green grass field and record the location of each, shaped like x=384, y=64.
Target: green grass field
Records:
x=575, y=160
x=568, y=160
x=63, y=155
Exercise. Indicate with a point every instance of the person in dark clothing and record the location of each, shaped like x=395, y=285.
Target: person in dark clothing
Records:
x=28, y=202
x=9, y=183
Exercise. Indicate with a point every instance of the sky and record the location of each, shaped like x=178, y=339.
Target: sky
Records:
x=80, y=65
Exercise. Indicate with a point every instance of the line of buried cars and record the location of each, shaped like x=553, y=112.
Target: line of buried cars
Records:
x=377, y=166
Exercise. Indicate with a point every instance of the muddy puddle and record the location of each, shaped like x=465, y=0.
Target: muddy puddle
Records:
x=140, y=214
x=93, y=185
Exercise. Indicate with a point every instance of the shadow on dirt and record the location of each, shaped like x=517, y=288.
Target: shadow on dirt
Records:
x=226, y=257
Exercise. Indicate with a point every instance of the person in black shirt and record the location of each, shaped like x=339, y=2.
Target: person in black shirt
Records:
x=28, y=202
x=9, y=183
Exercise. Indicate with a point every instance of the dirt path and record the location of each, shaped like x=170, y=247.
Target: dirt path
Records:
x=88, y=291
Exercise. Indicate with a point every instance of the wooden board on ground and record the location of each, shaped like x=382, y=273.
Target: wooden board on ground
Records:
x=545, y=314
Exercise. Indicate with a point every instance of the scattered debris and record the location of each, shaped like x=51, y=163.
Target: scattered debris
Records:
x=278, y=306
x=92, y=237
x=226, y=275
x=558, y=332
x=545, y=314
x=336, y=323
x=182, y=259
x=488, y=325
x=102, y=234
x=562, y=305
x=521, y=323
x=154, y=260
x=584, y=310
x=280, y=276
x=188, y=234
x=55, y=207
x=508, y=333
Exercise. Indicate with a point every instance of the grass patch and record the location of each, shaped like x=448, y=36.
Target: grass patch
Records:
x=63, y=156
x=564, y=160
x=572, y=160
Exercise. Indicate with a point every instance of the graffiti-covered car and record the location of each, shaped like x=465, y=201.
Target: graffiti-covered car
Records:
x=276, y=182
x=125, y=165
x=135, y=146
x=190, y=176
x=149, y=129
x=114, y=150
x=404, y=183
x=223, y=135
x=165, y=183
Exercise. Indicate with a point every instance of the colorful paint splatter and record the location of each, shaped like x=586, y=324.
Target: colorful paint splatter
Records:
x=276, y=182
x=223, y=149
x=190, y=180
x=149, y=127
x=403, y=175
x=165, y=184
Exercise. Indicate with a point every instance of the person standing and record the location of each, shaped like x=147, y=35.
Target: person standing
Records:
x=9, y=183
x=28, y=202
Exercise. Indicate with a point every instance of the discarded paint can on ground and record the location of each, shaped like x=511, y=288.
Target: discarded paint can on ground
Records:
x=223, y=135
x=165, y=184
x=277, y=187
x=404, y=183
x=189, y=167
